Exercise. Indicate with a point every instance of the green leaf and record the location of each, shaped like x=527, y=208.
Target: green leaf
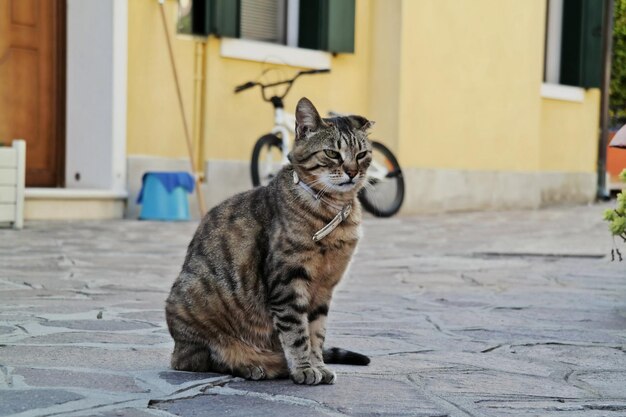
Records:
x=621, y=203
x=609, y=214
x=618, y=225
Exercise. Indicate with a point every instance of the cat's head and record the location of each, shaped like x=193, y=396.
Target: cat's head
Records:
x=333, y=153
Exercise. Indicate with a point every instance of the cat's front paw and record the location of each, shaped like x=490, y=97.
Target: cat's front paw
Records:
x=306, y=376
x=328, y=375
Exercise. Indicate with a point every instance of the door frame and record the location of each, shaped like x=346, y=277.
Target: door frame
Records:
x=91, y=125
x=60, y=66
x=97, y=57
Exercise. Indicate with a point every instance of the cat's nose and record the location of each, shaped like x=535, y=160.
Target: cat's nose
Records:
x=351, y=172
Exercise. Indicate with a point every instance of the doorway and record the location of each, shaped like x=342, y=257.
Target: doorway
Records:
x=32, y=85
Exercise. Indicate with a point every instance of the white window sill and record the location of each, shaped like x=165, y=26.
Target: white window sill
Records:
x=274, y=53
x=563, y=92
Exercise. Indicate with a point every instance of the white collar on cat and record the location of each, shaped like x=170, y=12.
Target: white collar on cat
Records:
x=343, y=214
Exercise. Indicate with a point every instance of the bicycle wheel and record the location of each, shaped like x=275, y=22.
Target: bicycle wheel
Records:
x=266, y=159
x=384, y=192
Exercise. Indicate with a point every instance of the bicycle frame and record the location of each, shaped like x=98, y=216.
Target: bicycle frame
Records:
x=282, y=136
x=284, y=128
x=285, y=123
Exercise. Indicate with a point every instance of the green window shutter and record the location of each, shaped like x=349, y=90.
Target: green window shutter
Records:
x=327, y=25
x=308, y=24
x=211, y=17
x=340, y=29
x=224, y=17
x=581, y=43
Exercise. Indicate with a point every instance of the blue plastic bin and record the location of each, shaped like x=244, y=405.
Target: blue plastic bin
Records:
x=163, y=196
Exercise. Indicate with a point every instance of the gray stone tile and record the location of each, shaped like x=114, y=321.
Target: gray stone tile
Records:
x=178, y=378
x=511, y=407
x=123, y=412
x=146, y=315
x=86, y=357
x=492, y=383
x=6, y=330
x=607, y=383
x=103, y=325
x=37, y=377
x=470, y=313
x=581, y=356
x=235, y=406
x=105, y=338
x=354, y=396
x=18, y=401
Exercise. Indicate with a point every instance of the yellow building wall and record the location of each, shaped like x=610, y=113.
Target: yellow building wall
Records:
x=154, y=125
x=451, y=84
x=235, y=121
x=470, y=77
x=232, y=122
x=384, y=63
x=569, y=134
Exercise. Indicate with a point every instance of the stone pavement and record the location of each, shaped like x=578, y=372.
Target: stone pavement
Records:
x=474, y=314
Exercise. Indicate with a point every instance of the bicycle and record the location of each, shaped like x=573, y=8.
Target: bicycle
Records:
x=385, y=193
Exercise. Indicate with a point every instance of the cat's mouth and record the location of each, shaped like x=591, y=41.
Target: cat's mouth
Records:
x=346, y=185
x=343, y=187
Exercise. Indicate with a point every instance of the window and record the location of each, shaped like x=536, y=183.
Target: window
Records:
x=263, y=20
x=274, y=21
x=573, y=51
x=326, y=25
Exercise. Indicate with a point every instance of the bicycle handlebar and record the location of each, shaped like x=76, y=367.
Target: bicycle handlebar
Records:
x=245, y=86
x=315, y=71
x=251, y=84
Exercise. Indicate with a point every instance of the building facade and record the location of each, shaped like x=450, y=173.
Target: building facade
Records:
x=476, y=98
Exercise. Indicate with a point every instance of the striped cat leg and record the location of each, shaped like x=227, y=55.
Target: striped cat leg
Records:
x=288, y=305
x=192, y=357
x=317, y=330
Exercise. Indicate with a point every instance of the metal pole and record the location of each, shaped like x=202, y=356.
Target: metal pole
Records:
x=201, y=204
x=607, y=48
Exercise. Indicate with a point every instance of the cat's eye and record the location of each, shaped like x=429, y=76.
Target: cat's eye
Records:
x=361, y=155
x=332, y=154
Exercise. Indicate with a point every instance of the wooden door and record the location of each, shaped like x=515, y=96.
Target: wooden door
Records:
x=32, y=85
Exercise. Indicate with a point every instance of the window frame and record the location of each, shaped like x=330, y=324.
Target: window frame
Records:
x=551, y=87
x=333, y=29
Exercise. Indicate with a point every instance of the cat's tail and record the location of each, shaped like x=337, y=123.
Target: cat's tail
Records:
x=344, y=357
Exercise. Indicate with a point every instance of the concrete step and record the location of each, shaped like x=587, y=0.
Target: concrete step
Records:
x=73, y=204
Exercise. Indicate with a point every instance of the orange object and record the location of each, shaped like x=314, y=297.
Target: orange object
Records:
x=616, y=155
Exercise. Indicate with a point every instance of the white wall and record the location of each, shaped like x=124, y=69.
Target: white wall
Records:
x=96, y=94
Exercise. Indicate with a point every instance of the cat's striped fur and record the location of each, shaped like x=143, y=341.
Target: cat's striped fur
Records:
x=255, y=289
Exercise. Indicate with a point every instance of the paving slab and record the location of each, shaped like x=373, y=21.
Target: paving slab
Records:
x=494, y=314
x=41, y=377
x=351, y=395
x=235, y=406
x=24, y=400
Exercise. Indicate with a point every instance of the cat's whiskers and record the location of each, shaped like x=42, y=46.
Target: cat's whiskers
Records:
x=370, y=187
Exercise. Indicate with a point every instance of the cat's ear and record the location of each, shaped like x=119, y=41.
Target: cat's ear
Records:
x=307, y=118
x=361, y=123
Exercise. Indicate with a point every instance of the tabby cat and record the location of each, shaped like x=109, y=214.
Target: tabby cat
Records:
x=255, y=287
